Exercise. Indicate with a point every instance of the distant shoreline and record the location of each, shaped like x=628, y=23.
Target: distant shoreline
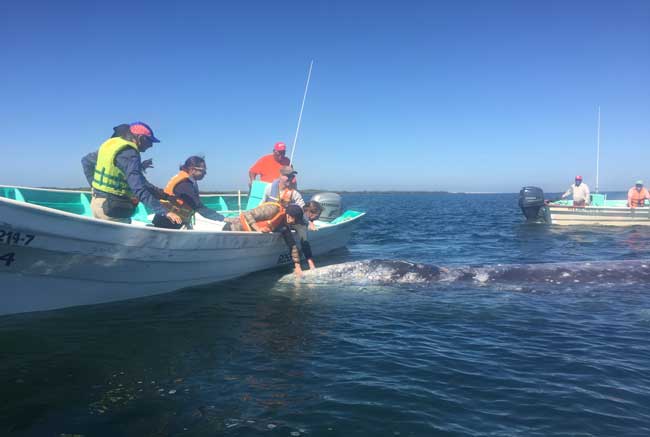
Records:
x=311, y=191
x=307, y=191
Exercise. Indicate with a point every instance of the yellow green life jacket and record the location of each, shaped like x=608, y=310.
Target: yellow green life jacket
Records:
x=108, y=177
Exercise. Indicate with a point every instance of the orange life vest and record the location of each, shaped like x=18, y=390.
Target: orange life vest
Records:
x=282, y=196
x=637, y=198
x=273, y=223
x=178, y=206
x=285, y=196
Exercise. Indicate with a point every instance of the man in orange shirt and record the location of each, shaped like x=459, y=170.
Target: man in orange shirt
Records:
x=268, y=166
x=637, y=195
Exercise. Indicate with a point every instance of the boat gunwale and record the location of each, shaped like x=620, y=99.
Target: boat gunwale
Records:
x=89, y=191
x=83, y=218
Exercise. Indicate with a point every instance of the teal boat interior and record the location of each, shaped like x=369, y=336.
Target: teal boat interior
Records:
x=598, y=199
x=78, y=202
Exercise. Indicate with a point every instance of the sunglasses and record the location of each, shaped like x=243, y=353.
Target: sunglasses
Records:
x=201, y=169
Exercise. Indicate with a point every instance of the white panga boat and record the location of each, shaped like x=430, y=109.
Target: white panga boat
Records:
x=601, y=211
x=54, y=254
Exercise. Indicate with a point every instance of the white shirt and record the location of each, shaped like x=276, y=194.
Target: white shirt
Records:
x=580, y=193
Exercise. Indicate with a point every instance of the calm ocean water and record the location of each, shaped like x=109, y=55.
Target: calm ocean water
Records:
x=362, y=353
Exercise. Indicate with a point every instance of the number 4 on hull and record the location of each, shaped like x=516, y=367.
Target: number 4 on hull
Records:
x=8, y=258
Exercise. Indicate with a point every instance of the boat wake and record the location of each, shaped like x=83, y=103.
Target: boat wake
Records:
x=388, y=272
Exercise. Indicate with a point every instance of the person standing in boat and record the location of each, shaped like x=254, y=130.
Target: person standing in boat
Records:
x=115, y=174
x=637, y=195
x=580, y=192
x=184, y=196
x=268, y=166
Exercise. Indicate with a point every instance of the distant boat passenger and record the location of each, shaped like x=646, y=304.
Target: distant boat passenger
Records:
x=186, y=201
x=580, y=192
x=268, y=166
x=637, y=195
x=115, y=174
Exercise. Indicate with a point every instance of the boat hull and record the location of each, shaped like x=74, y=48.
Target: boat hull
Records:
x=596, y=215
x=51, y=259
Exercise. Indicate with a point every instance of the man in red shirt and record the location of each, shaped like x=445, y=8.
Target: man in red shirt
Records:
x=268, y=166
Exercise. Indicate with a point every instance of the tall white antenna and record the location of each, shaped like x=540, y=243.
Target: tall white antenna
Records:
x=304, y=96
x=598, y=151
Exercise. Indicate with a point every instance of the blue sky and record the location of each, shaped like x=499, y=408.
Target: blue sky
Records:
x=424, y=95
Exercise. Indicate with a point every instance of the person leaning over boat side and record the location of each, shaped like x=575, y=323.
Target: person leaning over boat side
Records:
x=580, y=192
x=637, y=195
x=268, y=166
x=273, y=217
x=186, y=200
x=115, y=174
x=283, y=189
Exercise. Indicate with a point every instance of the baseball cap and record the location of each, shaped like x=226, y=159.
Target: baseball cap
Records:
x=639, y=182
x=280, y=147
x=140, y=128
x=287, y=170
x=578, y=178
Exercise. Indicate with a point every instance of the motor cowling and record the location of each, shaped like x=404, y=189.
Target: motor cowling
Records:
x=531, y=201
x=331, y=203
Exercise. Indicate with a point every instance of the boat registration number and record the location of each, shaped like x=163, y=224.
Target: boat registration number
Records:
x=7, y=259
x=284, y=258
x=15, y=238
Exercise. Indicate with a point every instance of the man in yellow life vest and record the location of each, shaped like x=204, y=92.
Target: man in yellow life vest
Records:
x=115, y=174
x=185, y=201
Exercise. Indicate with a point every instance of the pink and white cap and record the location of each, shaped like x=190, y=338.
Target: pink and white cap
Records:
x=140, y=128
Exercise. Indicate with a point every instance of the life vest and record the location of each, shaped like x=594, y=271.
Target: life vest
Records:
x=281, y=196
x=638, y=198
x=177, y=206
x=108, y=177
x=273, y=223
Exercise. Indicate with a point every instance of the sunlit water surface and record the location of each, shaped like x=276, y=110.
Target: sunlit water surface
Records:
x=265, y=355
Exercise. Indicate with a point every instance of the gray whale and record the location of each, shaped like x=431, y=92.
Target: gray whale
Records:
x=386, y=272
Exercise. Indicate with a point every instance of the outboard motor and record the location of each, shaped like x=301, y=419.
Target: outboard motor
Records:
x=531, y=202
x=331, y=203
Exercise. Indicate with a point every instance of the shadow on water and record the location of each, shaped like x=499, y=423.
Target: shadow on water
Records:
x=201, y=360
